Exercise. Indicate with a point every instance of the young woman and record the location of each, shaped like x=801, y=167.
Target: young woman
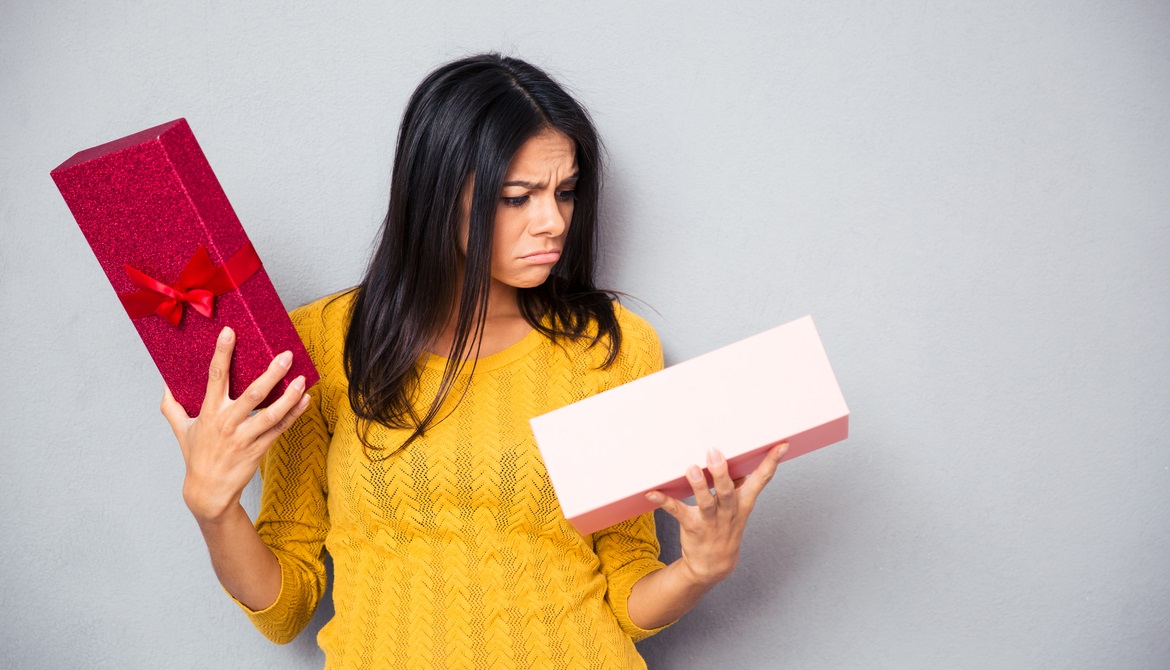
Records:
x=412, y=463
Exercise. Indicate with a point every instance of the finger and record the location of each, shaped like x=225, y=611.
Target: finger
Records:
x=703, y=499
x=258, y=390
x=763, y=473
x=675, y=508
x=218, y=372
x=724, y=487
x=738, y=481
x=269, y=436
x=267, y=418
x=176, y=416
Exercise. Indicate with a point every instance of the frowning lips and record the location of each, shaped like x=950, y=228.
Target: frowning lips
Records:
x=543, y=255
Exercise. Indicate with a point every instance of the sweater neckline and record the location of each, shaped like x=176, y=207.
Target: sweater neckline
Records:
x=504, y=357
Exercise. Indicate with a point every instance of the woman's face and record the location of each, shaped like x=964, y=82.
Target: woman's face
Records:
x=533, y=213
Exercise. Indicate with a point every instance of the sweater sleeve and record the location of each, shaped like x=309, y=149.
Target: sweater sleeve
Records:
x=293, y=519
x=628, y=551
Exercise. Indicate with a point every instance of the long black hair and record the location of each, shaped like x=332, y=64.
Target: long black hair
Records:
x=467, y=118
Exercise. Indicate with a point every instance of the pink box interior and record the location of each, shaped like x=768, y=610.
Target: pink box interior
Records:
x=605, y=452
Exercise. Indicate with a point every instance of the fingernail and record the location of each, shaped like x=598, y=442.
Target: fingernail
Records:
x=304, y=400
x=654, y=497
x=715, y=457
x=284, y=360
x=694, y=473
x=298, y=383
x=225, y=334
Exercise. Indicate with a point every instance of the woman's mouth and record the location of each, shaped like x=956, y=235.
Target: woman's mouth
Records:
x=543, y=257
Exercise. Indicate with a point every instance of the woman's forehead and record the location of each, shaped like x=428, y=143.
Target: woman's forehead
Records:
x=548, y=154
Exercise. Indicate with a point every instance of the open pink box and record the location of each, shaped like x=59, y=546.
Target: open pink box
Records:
x=605, y=452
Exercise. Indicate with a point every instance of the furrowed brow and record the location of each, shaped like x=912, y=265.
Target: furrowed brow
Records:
x=533, y=186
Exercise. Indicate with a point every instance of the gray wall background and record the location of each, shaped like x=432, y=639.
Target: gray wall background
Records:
x=971, y=199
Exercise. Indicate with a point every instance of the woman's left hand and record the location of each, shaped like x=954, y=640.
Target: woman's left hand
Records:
x=710, y=531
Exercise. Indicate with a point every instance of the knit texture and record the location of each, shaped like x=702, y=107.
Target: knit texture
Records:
x=452, y=552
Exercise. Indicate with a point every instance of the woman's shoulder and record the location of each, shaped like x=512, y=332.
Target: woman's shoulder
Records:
x=629, y=320
x=637, y=333
x=322, y=325
x=324, y=315
x=640, y=352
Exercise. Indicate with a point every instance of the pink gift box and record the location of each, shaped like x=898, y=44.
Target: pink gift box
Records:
x=604, y=453
x=179, y=260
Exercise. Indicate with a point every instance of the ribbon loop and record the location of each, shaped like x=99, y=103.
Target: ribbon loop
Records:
x=199, y=283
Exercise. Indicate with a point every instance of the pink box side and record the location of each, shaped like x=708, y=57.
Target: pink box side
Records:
x=742, y=465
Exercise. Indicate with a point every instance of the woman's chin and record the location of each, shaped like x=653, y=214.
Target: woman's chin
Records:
x=530, y=279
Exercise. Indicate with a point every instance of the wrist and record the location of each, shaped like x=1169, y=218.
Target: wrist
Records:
x=694, y=577
x=705, y=576
x=226, y=524
x=208, y=511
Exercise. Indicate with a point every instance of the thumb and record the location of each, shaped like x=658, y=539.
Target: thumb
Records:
x=176, y=416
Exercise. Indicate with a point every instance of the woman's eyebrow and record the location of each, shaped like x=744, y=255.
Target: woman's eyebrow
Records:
x=571, y=179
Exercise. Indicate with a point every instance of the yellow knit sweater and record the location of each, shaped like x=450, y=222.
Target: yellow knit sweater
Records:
x=452, y=552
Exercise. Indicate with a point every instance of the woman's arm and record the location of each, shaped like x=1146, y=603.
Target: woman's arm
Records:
x=244, y=565
x=710, y=533
x=222, y=449
x=663, y=596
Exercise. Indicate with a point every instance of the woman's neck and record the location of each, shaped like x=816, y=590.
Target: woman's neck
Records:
x=504, y=325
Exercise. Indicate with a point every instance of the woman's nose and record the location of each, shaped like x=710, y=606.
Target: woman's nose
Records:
x=550, y=220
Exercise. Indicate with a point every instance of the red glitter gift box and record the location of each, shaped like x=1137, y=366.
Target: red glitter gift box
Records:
x=179, y=260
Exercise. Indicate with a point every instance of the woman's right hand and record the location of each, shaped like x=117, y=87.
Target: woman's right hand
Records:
x=222, y=447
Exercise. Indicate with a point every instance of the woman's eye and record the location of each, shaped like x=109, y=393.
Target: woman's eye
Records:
x=516, y=201
x=567, y=195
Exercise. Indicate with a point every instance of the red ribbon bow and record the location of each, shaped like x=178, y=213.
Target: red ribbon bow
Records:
x=198, y=285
